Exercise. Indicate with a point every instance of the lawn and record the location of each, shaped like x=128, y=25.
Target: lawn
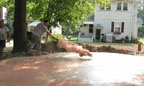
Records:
x=141, y=39
x=74, y=38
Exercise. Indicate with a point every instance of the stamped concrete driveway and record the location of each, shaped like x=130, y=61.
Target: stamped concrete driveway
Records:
x=68, y=69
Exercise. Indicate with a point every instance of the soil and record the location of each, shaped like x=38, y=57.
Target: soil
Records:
x=51, y=47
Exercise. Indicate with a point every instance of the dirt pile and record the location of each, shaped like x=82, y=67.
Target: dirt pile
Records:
x=73, y=47
x=111, y=49
x=104, y=48
x=52, y=47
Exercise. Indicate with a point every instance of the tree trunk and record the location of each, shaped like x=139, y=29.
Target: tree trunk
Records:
x=20, y=38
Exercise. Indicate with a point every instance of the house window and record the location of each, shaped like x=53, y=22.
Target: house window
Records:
x=112, y=27
x=125, y=6
x=85, y=25
x=106, y=7
x=82, y=33
x=91, y=28
x=117, y=27
x=118, y=6
x=122, y=27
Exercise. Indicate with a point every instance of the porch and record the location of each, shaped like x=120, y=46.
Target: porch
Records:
x=85, y=38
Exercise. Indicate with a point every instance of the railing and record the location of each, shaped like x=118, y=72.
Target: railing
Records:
x=84, y=38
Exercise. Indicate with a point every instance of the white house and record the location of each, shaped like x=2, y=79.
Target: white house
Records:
x=118, y=20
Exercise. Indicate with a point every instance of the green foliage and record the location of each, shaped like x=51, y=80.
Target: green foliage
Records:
x=9, y=4
x=58, y=10
x=74, y=38
x=101, y=3
x=69, y=29
x=141, y=14
x=68, y=13
x=2, y=3
x=141, y=39
x=56, y=36
x=141, y=31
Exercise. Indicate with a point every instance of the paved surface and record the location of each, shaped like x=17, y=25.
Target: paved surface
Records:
x=68, y=69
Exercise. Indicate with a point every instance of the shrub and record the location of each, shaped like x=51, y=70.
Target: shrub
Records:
x=141, y=31
x=56, y=36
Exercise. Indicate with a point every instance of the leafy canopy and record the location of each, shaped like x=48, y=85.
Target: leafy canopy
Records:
x=68, y=13
x=62, y=11
x=65, y=12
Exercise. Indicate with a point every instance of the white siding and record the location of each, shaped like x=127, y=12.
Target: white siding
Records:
x=85, y=30
x=106, y=17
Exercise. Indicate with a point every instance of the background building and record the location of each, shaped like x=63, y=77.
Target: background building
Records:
x=119, y=20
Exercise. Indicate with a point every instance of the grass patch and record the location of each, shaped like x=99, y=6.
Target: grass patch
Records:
x=141, y=40
x=102, y=43
x=74, y=38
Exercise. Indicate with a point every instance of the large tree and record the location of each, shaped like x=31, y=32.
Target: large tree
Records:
x=20, y=39
x=66, y=12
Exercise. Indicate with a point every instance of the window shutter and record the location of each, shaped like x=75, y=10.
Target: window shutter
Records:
x=91, y=28
x=112, y=27
x=122, y=27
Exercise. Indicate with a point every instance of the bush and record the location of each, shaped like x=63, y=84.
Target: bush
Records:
x=134, y=41
x=141, y=31
x=56, y=36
